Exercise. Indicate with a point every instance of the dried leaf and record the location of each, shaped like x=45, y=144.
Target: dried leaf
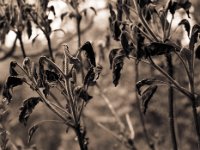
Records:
x=143, y=3
x=34, y=39
x=186, y=24
x=194, y=36
x=172, y=7
x=116, y=30
x=12, y=71
x=13, y=81
x=27, y=108
x=87, y=47
x=94, y=10
x=112, y=55
x=92, y=76
x=143, y=82
x=29, y=28
x=156, y=48
x=147, y=95
x=197, y=52
x=51, y=8
x=125, y=37
x=82, y=93
x=31, y=131
x=112, y=13
x=118, y=63
x=51, y=76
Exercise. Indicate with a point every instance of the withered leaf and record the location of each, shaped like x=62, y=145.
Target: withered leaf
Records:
x=112, y=55
x=13, y=81
x=156, y=48
x=125, y=37
x=52, y=9
x=172, y=7
x=186, y=24
x=51, y=76
x=143, y=3
x=147, y=95
x=87, y=47
x=12, y=71
x=116, y=30
x=143, y=82
x=118, y=63
x=92, y=76
x=27, y=108
x=29, y=28
x=31, y=131
x=197, y=52
x=82, y=93
x=112, y=13
x=194, y=36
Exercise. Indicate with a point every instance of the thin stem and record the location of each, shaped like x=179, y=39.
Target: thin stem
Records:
x=180, y=88
x=19, y=36
x=49, y=47
x=148, y=140
x=110, y=106
x=81, y=138
x=170, y=102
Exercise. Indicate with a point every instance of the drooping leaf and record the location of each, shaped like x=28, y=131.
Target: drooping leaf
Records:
x=186, y=24
x=163, y=20
x=125, y=37
x=112, y=13
x=139, y=43
x=13, y=81
x=147, y=95
x=34, y=39
x=119, y=10
x=51, y=76
x=94, y=10
x=29, y=28
x=31, y=131
x=92, y=76
x=52, y=9
x=82, y=93
x=186, y=6
x=27, y=108
x=12, y=71
x=27, y=64
x=126, y=8
x=194, y=36
x=156, y=48
x=197, y=52
x=7, y=94
x=116, y=30
x=172, y=7
x=112, y=55
x=143, y=82
x=143, y=3
x=87, y=47
x=118, y=63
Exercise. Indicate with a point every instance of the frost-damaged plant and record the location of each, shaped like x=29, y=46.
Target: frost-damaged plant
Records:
x=47, y=75
x=145, y=34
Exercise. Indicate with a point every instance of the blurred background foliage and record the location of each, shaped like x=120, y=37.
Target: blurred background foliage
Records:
x=94, y=28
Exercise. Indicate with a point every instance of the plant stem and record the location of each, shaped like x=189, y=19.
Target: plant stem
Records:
x=148, y=140
x=81, y=137
x=19, y=36
x=49, y=47
x=78, y=23
x=170, y=102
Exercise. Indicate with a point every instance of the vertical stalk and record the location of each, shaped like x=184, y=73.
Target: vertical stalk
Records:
x=78, y=24
x=81, y=138
x=148, y=140
x=49, y=47
x=171, y=102
x=19, y=36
